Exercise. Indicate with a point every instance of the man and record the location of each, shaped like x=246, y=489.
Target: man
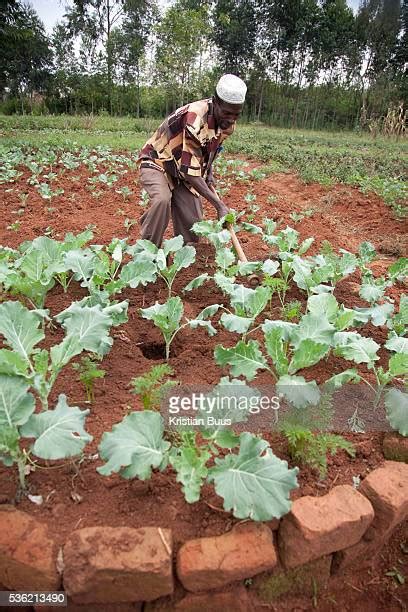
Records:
x=176, y=163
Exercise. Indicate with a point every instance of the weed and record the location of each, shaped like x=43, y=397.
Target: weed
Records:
x=88, y=371
x=153, y=385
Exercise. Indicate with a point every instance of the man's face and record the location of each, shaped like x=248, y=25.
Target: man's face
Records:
x=225, y=113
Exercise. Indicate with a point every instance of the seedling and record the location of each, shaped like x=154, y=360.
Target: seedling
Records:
x=88, y=371
x=167, y=317
x=129, y=223
x=125, y=192
x=153, y=385
x=15, y=226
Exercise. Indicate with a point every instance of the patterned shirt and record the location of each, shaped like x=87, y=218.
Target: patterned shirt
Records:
x=186, y=143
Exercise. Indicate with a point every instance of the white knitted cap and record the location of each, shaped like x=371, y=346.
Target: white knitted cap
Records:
x=231, y=88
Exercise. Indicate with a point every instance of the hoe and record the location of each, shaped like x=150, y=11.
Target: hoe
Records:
x=253, y=279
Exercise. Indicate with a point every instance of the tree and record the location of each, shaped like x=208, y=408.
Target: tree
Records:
x=181, y=36
x=234, y=33
x=95, y=21
x=25, y=59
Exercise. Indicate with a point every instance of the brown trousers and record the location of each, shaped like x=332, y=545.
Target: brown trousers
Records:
x=183, y=206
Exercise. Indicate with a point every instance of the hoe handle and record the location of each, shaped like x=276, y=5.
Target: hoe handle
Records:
x=237, y=245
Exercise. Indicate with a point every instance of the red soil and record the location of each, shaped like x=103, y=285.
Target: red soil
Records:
x=75, y=495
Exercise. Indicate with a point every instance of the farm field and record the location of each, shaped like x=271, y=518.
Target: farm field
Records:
x=346, y=192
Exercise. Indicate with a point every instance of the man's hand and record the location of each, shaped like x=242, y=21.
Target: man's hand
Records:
x=222, y=210
x=210, y=178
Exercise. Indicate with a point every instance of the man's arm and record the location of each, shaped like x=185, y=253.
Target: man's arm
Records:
x=204, y=190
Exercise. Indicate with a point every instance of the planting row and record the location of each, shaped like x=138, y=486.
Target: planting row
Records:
x=252, y=481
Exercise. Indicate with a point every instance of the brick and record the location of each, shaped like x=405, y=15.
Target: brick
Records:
x=209, y=563
x=28, y=554
x=236, y=600
x=387, y=490
x=118, y=564
x=318, y=526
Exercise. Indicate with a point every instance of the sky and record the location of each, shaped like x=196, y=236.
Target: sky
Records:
x=51, y=11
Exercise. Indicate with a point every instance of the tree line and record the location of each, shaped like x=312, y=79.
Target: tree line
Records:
x=307, y=63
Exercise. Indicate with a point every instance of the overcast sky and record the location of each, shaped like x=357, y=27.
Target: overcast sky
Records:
x=51, y=11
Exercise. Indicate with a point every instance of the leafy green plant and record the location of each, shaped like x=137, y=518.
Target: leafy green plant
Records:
x=253, y=483
x=129, y=223
x=150, y=262
x=33, y=270
x=58, y=433
x=125, y=192
x=153, y=385
x=15, y=226
x=88, y=371
x=167, y=317
x=86, y=329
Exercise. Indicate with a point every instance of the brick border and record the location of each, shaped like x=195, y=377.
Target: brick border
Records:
x=124, y=567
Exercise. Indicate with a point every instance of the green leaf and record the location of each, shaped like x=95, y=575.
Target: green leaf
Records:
x=82, y=263
x=302, y=273
x=274, y=339
x=397, y=343
x=251, y=228
x=90, y=326
x=173, y=244
x=378, y=314
x=208, y=311
x=16, y=404
x=371, y=293
x=135, y=446
x=324, y=304
x=286, y=327
x=255, y=483
x=190, y=465
x=338, y=380
x=234, y=323
x=183, y=258
x=247, y=267
x=307, y=354
x=59, y=433
x=398, y=364
x=397, y=410
x=367, y=252
x=305, y=245
x=345, y=318
x=9, y=445
x=20, y=328
x=166, y=316
x=244, y=358
x=12, y=363
x=257, y=301
x=399, y=269
x=224, y=283
x=270, y=266
x=197, y=282
x=314, y=327
x=137, y=273
x=229, y=401
x=224, y=258
x=298, y=392
x=240, y=296
x=359, y=349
